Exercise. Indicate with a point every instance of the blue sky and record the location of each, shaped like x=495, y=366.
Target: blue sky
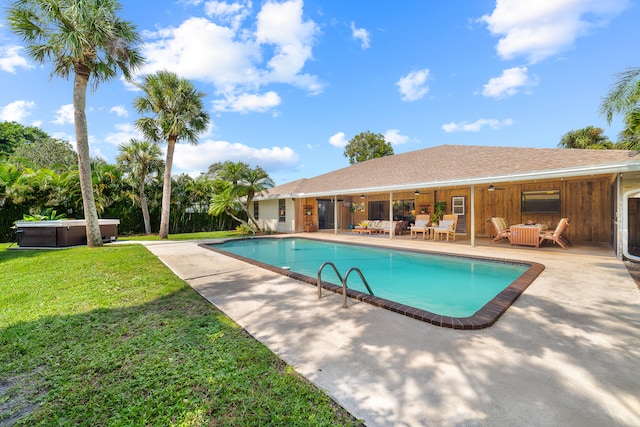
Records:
x=288, y=83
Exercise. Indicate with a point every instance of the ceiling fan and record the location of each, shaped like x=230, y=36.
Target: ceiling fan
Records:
x=492, y=188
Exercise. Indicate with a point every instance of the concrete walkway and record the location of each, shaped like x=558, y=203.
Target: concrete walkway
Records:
x=566, y=353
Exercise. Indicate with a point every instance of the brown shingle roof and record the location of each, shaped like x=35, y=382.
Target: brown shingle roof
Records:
x=458, y=164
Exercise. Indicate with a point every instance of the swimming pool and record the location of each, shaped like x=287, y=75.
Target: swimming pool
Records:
x=443, y=289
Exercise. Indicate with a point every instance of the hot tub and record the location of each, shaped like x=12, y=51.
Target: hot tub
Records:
x=62, y=233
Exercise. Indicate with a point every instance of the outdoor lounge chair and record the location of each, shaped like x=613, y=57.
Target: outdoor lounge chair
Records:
x=421, y=226
x=447, y=226
x=500, y=229
x=557, y=235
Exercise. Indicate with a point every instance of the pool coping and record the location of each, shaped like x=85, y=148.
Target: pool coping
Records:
x=483, y=318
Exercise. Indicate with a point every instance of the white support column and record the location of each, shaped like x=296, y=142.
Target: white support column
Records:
x=335, y=214
x=473, y=216
x=391, y=227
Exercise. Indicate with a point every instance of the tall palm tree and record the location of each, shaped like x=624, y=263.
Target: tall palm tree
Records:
x=624, y=97
x=179, y=115
x=85, y=39
x=142, y=160
x=253, y=182
x=231, y=171
x=586, y=138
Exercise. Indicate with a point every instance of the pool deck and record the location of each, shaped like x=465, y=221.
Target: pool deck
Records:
x=565, y=353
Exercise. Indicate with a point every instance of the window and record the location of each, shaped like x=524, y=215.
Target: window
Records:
x=543, y=201
x=282, y=210
x=457, y=205
x=256, y=210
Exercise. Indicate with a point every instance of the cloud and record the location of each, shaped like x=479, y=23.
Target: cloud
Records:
x=238, y=57
x=393, y=136
x=247, y=102
x=199, y=157
x=477, y=125
x=64, y=115
x=540, y=29
x=360, y=34
x=119, y=110
x=124, y=132
x=10, y=59
x=338, y=140
x=16, y=111
x=414, y=86
x=509, y=83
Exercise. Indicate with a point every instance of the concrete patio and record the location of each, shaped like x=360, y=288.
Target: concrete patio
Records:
x=566, y=353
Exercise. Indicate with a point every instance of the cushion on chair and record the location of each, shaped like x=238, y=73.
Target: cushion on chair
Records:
x=445, y=224
x=421, y=223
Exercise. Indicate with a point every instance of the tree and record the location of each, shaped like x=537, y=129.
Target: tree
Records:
x=366, y=146
x=252, y=182
x=586, y=138
x=48, y=153
x=179, y=115
x=88, y=40
x=13, y=134
x=227, y=202
x=229, y=171
x=624, y=97
x=142, y=160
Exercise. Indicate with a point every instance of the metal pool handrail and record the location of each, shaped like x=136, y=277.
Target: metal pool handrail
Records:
x=343, y=280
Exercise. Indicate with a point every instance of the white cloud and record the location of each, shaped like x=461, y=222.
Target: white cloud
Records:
x=16, y=111
x=124, y=132
x=393, y=136
x=360, y=34
x=540, y=29
x=477, y=125
x=229, y=13
x=414, y=86
x=64, y=115
x=247, y=102
x=10, y=59
x=119, y=111
x=199, y=157
x=509, y=83
x=339, y=140
x=239, y=59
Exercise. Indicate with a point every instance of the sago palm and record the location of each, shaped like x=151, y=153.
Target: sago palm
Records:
x=85, y=39
x=178, y=115
x=141, y=160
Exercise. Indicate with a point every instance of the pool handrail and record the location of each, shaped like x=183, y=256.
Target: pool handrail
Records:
x=344, y=284
x=320, y=275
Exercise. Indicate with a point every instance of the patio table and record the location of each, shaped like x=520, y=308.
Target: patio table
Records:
x=529, y=235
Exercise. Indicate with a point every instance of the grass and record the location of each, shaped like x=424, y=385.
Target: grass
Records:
x=110, y=337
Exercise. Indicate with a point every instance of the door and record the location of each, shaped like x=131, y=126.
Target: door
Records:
x=326, y=214
x=631, y=224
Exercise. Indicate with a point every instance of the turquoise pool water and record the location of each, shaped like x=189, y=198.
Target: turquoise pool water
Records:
x=444, y=285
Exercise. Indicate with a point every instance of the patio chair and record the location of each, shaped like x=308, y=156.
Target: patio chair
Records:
x=500, y=229
x=447, y=226
x=421, y=226
x=557, y=235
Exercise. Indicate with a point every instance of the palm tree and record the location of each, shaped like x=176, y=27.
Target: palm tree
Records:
x=179, y=115
x=87, y=39
x=142, y=160
x=624, y=97
x=253, y=182
x=586, y=138
x=227, y=202
x=231, y=171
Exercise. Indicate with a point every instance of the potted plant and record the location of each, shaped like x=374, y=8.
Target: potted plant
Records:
x=439, y=208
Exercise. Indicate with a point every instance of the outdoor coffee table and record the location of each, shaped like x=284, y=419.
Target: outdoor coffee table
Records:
x=362, y=231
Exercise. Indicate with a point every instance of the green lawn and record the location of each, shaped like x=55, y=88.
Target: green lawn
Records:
x=110, y=337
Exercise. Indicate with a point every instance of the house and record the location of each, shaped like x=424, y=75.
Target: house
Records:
x=599, y=190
